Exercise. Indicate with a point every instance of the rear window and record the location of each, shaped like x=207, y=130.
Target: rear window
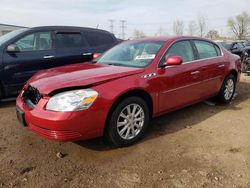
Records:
x=205, y=49
x=70, y=40
x=99, y=39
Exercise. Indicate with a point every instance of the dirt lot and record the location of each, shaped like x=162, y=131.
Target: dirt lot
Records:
x=199, y=146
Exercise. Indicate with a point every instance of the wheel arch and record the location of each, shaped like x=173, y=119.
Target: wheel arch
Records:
x=135, y=92
x=234, y=73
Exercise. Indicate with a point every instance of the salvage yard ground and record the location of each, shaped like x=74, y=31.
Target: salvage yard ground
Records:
x=199, y=146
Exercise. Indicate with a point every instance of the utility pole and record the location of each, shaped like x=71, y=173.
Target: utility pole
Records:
x=123, y=34
x=111, y=25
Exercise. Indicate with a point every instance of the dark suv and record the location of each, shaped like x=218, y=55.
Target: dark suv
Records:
x=24, y=52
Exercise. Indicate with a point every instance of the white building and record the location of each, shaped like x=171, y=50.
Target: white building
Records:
x=4, y=28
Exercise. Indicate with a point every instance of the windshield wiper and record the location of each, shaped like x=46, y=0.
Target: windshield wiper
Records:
x=116, y=64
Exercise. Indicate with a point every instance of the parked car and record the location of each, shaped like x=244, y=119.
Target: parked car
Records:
x=24, y=52
x=237, y=48
x=117, y=94
x=241, y=49
x=247, y=43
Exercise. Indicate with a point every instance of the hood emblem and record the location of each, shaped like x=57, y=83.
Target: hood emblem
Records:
x=149, y=75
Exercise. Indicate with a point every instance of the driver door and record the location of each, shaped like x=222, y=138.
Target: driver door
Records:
x=35, y=53
x=180, y=85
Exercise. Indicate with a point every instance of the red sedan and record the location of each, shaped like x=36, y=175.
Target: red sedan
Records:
x=116, y=95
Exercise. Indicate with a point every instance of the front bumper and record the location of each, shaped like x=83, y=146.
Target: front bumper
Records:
x=63, y=126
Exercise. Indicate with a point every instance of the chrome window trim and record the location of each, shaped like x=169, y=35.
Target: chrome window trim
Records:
x=222, y=53
x=188, y=62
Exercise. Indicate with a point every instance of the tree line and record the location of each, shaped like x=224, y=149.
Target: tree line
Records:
x=238, y=26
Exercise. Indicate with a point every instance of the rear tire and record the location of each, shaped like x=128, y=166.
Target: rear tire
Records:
x=227, y=89
x=127, y=122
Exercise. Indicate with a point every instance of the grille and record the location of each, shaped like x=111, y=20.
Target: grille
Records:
x=31, y=96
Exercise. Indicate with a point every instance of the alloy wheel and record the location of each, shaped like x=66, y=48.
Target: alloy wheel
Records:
x=130, y=121
x=229, y=89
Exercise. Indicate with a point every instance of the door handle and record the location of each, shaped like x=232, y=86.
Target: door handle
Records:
x=48, y=56
x=87, y=54
x=220, y=66
x=195, y=72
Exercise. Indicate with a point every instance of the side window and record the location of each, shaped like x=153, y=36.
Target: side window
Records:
x=35, y=42
x=182, y=49
x=98, y=39
x=205, y=49
x=69, y=40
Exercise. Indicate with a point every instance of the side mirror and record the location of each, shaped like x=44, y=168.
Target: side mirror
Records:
x=13, y=48
x=173, y=60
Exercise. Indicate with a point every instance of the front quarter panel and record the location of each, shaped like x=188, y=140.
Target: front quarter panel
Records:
x=112, y=91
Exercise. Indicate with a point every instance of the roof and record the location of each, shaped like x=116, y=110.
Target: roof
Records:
x=12, y=25
x=67, y=27
x=59, y=27
x=170, y=38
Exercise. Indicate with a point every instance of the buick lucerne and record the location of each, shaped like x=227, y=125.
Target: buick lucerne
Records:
x=117, y=94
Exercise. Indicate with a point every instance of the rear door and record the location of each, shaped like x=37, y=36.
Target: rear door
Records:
x=180, y=85
x=71, y=47
x=212, y=66
x=36, y=53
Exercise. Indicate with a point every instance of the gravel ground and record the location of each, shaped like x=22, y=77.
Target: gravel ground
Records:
x=199, y=146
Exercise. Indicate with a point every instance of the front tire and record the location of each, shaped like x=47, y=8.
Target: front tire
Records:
x=227, y=90
x=127, y=122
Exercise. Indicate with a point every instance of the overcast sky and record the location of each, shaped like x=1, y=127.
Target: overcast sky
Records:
x=146, y=15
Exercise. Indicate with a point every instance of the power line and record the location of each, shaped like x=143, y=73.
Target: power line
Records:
x=123, y=34
x=111, y=25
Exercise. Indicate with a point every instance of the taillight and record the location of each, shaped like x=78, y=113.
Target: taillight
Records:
x=96, y=55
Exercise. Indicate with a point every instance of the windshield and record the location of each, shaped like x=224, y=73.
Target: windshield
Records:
x=10, y=35
x=132, y=54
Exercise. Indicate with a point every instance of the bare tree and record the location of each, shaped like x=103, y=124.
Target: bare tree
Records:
x=240, y=25
x=178, y=27
x=138, y=34
x=192, y=28
x=161, y=32
x=212, y=34
x=202, y=25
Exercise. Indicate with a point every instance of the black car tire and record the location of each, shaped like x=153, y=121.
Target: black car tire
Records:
x=1, y=92
x=227, y=89
x=113, y=131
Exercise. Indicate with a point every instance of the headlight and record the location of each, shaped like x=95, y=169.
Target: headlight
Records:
x=72, y=100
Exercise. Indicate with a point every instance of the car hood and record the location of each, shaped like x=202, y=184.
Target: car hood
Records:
x=78, y=75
